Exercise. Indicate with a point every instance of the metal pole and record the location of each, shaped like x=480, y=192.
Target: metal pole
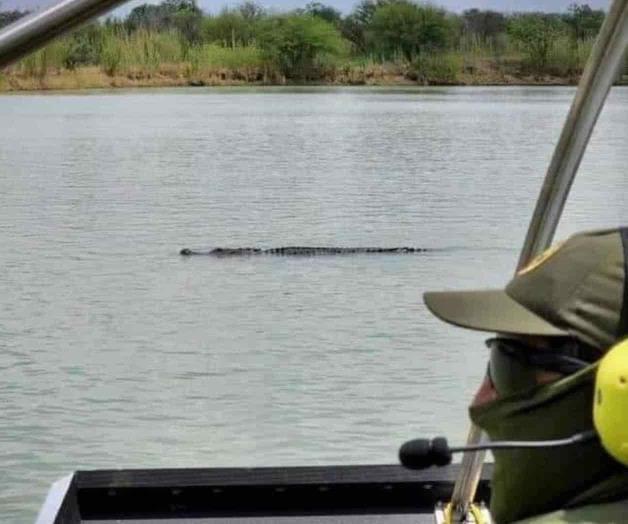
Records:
x=35, y=31
x=597, y=79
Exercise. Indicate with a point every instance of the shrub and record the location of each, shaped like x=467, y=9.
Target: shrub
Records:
x=230, y=28
x=536, y=35
x=355, y=26
x=437, y=68
x=39, y=63
x=111, y=53
x=212, y=56
x=298, y=44
x=184, y=16
x=487, y=25
x=326, y=12
x=407, y=28
x=584, y=23
x=568, y=58
x=84, y=47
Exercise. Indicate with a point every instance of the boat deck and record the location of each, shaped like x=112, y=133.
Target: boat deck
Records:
x=303, y=495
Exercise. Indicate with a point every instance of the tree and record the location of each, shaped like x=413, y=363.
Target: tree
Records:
x=251, y=11
x=189, y=25
x=485, y=24
x=326, y=12
x=536, y=33
x=583, y=22
x=355, y=25
x=8, y=17
x=231, y=28
x=298, y=44
x=183, y=16
x=407, y=28
x=145, y=16
x=84, y=47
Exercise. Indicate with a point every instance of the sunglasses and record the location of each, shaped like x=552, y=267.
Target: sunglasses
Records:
x=514, y=364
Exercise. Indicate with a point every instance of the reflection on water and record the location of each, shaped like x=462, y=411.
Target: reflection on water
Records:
x=117, y=352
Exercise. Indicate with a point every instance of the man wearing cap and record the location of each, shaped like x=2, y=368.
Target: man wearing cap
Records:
x=554, y=320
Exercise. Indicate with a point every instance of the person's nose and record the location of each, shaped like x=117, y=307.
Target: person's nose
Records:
x=486, y=393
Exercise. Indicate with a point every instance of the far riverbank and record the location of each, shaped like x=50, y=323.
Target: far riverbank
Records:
x=400, y=43
x=178, y=75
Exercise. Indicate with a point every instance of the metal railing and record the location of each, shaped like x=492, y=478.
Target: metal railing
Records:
x=34, y=31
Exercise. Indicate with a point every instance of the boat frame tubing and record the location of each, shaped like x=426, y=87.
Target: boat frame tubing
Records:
x=30, y=33
x=598, y=77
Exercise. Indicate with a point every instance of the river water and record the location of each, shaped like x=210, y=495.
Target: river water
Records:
x=117, y=352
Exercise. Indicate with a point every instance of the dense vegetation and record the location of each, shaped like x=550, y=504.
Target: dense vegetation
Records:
x=175, y=43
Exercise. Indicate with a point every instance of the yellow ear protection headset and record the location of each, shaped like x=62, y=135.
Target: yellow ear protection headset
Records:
x=610, y=407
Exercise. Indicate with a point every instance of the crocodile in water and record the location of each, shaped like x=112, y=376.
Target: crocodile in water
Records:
x=300, y=251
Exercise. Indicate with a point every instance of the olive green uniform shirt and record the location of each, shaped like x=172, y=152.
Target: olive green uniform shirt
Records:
x=611, y=513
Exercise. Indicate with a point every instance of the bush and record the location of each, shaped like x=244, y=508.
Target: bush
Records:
x=212, y=60
x=584, y=23
x=184, y=16
x=536, y=35
x=231, y=28
x=143, y=51
x=39, y=63
x=406, y=28
x=326, y=12
x=487, y=25
x=568, y=58
x=111, y=54
x=211, y=56
x=298, y=44
x=437, y=68
x=84, y=47
x=355, y=26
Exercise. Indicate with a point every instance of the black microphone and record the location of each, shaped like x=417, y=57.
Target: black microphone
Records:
x=423, y=453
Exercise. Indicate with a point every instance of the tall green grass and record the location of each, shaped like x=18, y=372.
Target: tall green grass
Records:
x=440, y=68
x=40, y=63
x=211, y=56
x=144, y=54
x=147, y=52
x=568, y=58
x=237, y=63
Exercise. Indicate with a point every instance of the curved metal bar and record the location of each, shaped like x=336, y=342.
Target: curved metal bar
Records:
x=35, y=31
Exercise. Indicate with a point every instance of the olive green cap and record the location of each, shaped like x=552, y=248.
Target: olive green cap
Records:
x=575, y=288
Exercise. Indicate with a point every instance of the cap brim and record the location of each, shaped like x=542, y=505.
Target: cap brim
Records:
x=488, y=310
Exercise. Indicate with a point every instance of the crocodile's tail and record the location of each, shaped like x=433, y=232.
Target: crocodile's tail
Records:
x=313, y=251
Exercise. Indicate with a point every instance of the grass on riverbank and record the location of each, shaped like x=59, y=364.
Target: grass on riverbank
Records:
x=145, y=58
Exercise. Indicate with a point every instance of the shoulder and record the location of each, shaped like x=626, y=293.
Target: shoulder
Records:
x=610, y=513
